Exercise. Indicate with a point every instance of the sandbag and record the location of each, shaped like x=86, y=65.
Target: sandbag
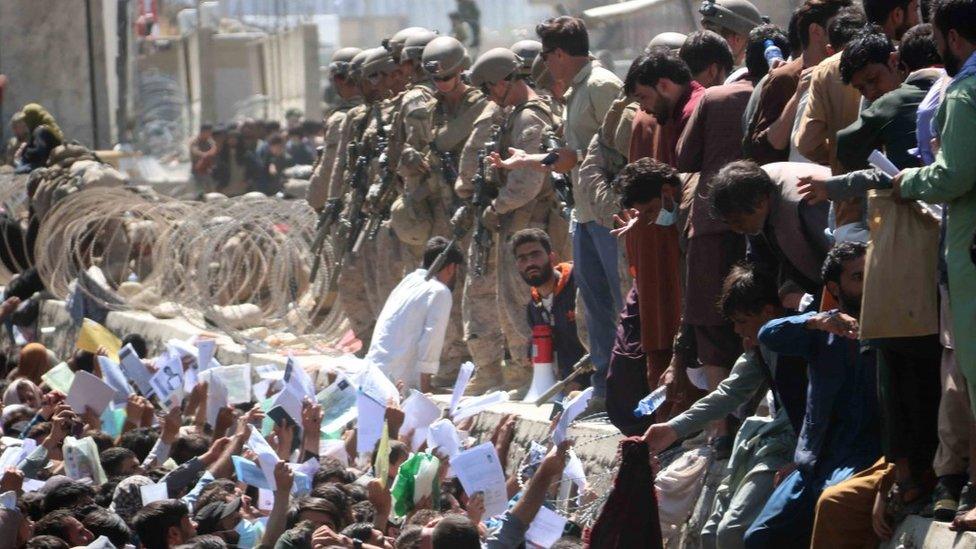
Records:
x=900, y=274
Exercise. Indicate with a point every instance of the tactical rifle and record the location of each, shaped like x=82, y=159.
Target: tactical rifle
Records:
x=583, y=366
x=561, y=182
x=480, y=200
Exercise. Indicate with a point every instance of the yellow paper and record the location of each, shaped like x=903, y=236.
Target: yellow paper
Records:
x=93, y=335
x=382, y=468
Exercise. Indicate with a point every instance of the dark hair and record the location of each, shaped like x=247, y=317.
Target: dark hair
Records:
x=793, y=33
x=438, y=244
x=83, y=361
x=331, y=471
x=703, y=48
x=640, y=182
x=655, y=64
x=567, y=542
x=138, y=344
x=359, y=530
x=54, y=523
x=422, y=517
x=917, y=49
x=217, y=490
x=276, y=139
x=526, y=236
x=105, y=492
x=959, y=15
x=206, y=127
x=354, y=492
x=756, y=48
x=113, y=459
x=103, y=441
x=316, y=504
x=188, y=446
x=363, y=511
x=456, y=532
x=140, y=441
x=848, y=22
x=816, y=12
x=409, y=537
x=867, y=48
x=46, y=542
x=205, y=541
x=337, y=497
x=746, y=290
x=566, y=33
x=152, y=521
x=833, y=265
x=67, y=494
x=877, y=11
x=737, y=188
x=103, y=522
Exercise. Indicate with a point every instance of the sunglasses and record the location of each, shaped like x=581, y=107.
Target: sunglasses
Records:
x=443, y=78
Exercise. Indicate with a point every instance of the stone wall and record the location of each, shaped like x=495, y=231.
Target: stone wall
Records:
x=45, y=54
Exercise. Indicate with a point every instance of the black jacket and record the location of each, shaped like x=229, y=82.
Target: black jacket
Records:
x=565, y=340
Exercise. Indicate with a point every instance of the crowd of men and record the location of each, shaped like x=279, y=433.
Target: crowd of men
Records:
x=751, y=208
x=252, y=155
x=761, y=240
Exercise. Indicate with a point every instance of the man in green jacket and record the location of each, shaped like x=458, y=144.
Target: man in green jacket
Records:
x=952, y=178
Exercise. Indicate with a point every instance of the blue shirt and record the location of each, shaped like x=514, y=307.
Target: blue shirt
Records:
x=841, y=421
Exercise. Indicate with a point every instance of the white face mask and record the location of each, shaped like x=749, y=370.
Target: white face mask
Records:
x=666, y=218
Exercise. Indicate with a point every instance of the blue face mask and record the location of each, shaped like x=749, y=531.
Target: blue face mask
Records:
x=666, y=218
x=249, y=533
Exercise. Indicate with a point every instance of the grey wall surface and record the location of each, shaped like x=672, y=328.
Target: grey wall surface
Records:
x=45, y=54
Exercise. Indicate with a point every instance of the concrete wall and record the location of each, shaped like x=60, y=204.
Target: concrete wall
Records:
x=45, y=55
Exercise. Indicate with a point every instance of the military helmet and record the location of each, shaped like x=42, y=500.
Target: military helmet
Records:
x=377, y=60
x=341, y=64
x=540, y=74
x=413, y=48
x=528, y=50
x=356, y=64
x=739, y=16
x=394, y=44
x=670, y=40
x=494, y=65
x=445, y=56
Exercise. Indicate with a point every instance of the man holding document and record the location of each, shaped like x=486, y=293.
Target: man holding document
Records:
x=409, y=333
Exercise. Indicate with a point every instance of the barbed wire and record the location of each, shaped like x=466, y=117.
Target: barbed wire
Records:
x=234, y=263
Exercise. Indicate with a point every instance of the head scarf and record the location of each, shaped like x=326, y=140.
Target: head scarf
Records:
x=33, y=362
x=36, y=115
x=127, y=499
x=11, y=396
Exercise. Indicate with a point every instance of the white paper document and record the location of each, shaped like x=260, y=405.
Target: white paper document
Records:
x=81, y=460
x=296, y=377
x=370, y=424
x=206, y=348
x=573, y=409
x=267, y=458
x=338, y=403
x=443, y=435
x=374, y=384
x=133, y=367
x=546, y=528
x=113, y=375
x=88, y=391
x=879, y=161
x=419, y=412
x=237, y=379
x=153, y=492
x=265, y=499
x=479, y=470
x=474, y=405
x=167, y=383
x=249, y=473
x=216, y=399
x=464, y=376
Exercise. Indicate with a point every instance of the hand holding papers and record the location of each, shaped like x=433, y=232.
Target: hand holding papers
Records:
x=81, y=460
x=93, y=335
x=59, y=378
x=479, y=470
x=546, y=528
x=573, y=409
x=443, y=437
x=420, y=412
x=375, y=390
x=473, y=405
x=167, y=383
x=88, y=391
x=464, y=376
x=113, y=375
x=133, y=367
x=880, y=162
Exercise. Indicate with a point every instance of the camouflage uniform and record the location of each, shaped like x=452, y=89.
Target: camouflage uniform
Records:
x=320, y=186
x=353, y=297
x=479, y=299
x=525, y=199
